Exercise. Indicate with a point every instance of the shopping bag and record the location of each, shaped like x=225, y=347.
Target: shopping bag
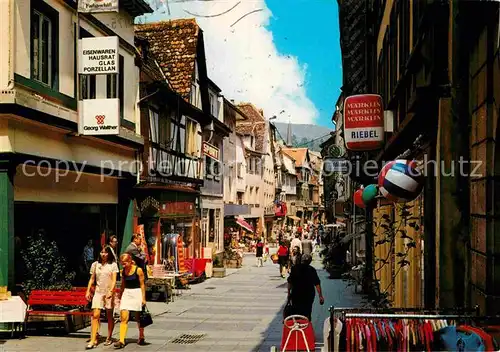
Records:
x=274, y=258
x=145, y=318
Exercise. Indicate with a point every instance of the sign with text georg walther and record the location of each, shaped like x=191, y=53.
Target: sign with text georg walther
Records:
x=99, y=117
x=363, y=122
x=96, y=6
x=98, y=56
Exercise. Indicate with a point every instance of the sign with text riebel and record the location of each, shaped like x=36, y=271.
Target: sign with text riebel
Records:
x=363, y=122
x=98, y=55
x=93, y=6
x=99, y=117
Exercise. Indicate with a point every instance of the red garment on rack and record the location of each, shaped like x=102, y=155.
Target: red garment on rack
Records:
x=487, y=339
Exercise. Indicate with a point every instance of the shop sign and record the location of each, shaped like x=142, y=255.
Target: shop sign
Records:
x=363, y=122
x=177, y=208
x=98, y=55
x=211, y=151
x=99, y=117
x=336, y=165
x=96, y=6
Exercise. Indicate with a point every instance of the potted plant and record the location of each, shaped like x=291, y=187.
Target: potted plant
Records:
x=218, y=267
x=232, y=259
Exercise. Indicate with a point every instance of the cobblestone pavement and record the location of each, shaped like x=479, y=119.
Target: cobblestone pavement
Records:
x=241, y=312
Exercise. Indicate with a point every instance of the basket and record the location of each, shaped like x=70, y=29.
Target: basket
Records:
x=274, y=258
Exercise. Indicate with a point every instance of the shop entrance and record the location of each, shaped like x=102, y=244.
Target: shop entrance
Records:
x=71, y=226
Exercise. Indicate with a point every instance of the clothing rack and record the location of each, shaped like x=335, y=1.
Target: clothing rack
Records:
x=391, y=313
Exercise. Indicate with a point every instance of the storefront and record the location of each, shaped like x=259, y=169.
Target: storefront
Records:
x=212, y=223
x=168, y=215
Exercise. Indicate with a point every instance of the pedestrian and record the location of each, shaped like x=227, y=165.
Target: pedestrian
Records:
x=113, y=245
x=283, y=258
x=103, y=277
x=295, y=257
x=259, y=252
x=132, y=298
x=88, y=254
x=302, y=283
x=137, y=253
x=307, y=245
x=296, y=242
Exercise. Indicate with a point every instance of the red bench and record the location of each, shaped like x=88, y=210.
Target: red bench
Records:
x=50, y=299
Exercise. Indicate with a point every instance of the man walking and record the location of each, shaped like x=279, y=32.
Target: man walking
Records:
x=307, y=245
x=296, y=242
x=137, y=254
x=302, y=282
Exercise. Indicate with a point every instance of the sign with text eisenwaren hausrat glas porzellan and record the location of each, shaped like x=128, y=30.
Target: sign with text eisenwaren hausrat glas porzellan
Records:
x=363, y=122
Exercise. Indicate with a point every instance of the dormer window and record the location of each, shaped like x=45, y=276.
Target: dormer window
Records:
x=214, y=105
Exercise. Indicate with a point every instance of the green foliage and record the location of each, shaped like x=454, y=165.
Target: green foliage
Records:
x=46, y=268
x=217, y=262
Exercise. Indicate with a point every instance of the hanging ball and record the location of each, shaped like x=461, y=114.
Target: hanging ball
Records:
x=358, y=198
x=400, y=181
x=369, y=193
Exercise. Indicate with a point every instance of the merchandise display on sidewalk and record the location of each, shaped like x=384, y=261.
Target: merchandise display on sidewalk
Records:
x=350, y=329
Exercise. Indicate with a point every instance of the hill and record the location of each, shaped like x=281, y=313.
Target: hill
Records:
x=305, y=135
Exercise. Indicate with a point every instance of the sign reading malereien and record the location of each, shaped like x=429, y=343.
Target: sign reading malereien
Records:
x=98, y=55
x=93, y=6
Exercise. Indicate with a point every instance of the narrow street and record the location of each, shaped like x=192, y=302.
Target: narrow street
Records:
x=241, y=312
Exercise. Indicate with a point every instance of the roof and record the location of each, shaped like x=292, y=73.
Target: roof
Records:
x=298, y=154
x=252, y=112
x=149, y=65
x=256, y=124
x=174, y=44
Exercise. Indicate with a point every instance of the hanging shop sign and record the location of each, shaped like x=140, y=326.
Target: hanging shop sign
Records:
x=98, y=55
x=99, y=117
x=178, y=209
x=95, y=6
x=363, y=122
x=331, y=165
x=210, y=150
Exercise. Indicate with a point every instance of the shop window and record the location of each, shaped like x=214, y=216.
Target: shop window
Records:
x=44, y=44
x=239, y=196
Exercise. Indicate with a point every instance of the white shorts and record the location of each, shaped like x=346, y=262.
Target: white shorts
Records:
x=99, y=301
x=131, y=300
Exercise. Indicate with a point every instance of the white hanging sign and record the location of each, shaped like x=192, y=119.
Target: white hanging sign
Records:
x=98, y=55
x=99, y=117
x=93, y=6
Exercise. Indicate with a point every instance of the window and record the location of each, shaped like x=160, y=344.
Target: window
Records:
x=191, y=138
x=153, y=126
x=44, y=44
x=211, y=168
x=214, y=105
x=87, y=86
x=240, y=170
x=111, y=86
x=121, y=84
x=239, y=196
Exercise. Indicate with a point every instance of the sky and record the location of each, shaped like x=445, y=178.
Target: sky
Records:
x=283, y=56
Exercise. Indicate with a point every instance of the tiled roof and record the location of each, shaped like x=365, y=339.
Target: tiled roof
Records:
x=174, y=44
x=149, y=65
x=250, y=126
x=298, y=154
x=252, y=112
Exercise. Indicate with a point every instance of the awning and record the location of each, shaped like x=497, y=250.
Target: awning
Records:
x=241, y=221
x=296, y=218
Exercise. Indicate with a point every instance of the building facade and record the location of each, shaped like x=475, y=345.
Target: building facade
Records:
x=436, y=69
x=62, y=181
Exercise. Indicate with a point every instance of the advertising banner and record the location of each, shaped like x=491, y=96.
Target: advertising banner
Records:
x=96, y=6
x=98, y=56
x=99, y=117
x=363, y=122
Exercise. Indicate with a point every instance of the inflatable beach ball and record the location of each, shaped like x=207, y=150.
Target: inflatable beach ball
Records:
x=400, y=181
x=370, y=193
x=358, y=198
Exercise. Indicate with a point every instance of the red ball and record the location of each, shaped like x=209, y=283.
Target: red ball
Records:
x=358, y=198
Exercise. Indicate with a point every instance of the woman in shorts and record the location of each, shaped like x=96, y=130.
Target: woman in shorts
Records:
x=132, y=298
x=103, y=277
